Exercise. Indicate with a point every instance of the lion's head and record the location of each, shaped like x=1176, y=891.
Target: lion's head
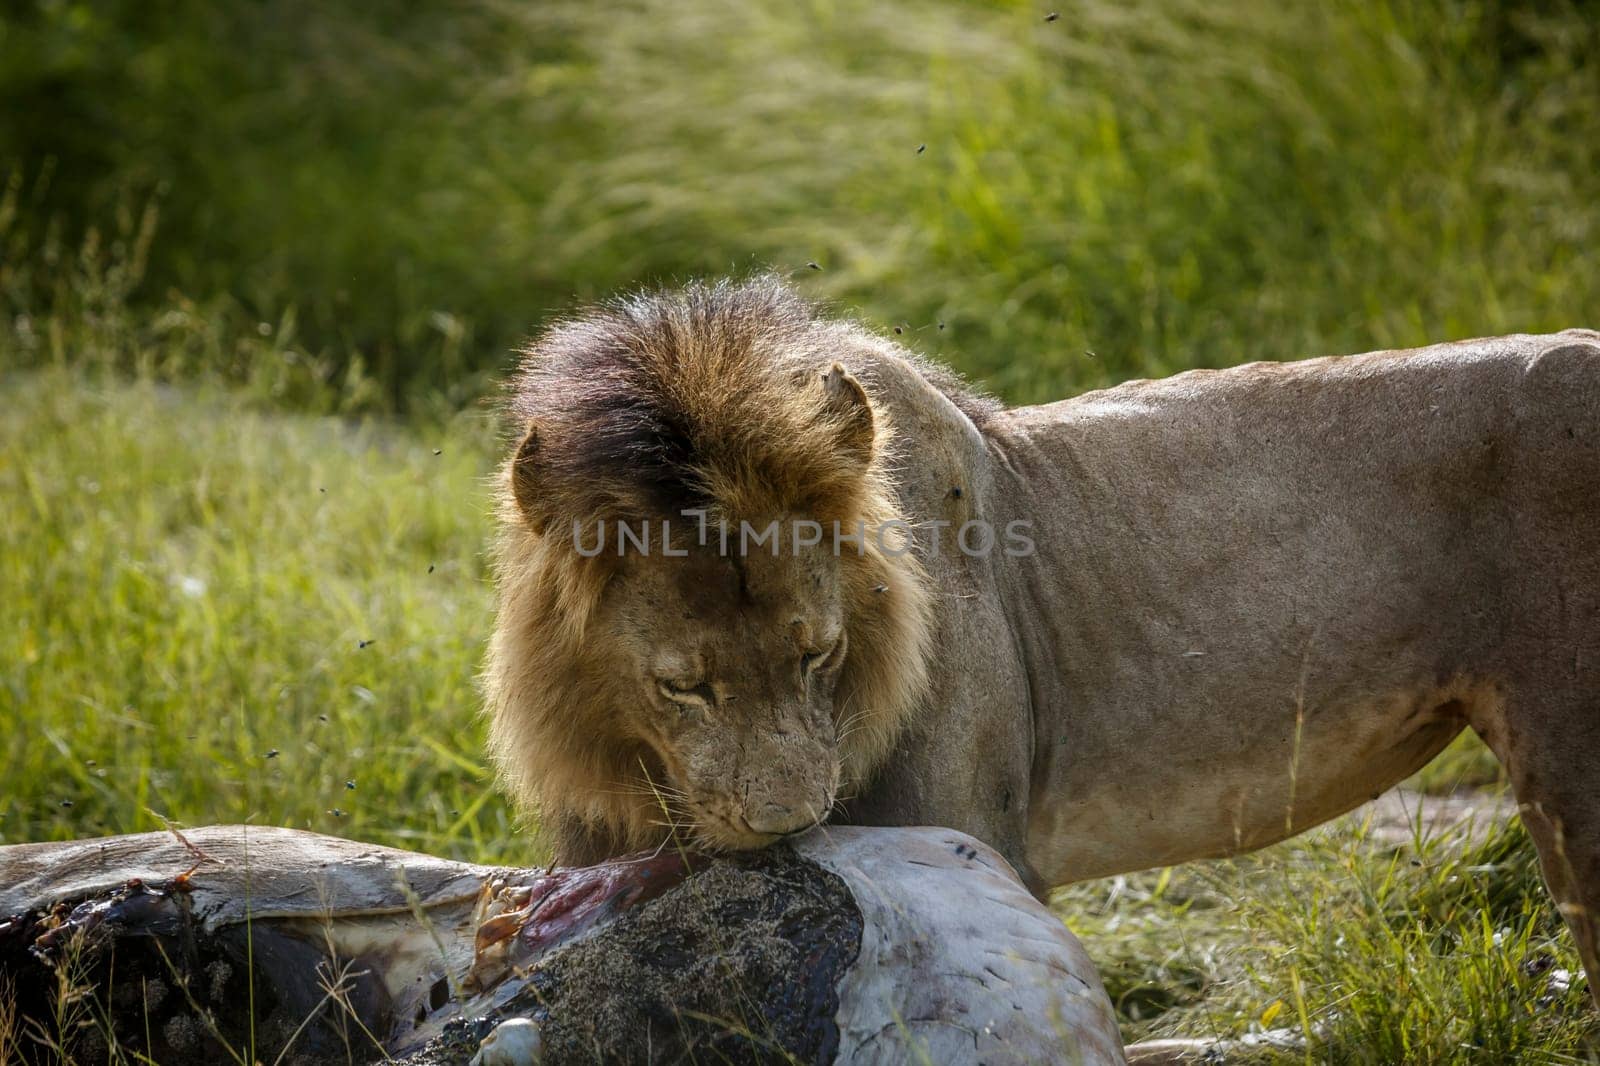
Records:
x=682, y=640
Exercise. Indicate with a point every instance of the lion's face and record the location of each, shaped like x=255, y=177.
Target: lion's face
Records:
x=730, y=693
x=725, y=666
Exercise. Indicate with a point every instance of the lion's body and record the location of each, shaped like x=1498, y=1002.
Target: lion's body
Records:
x=1259, y=597
x=1343, y=558
x=1263, y=595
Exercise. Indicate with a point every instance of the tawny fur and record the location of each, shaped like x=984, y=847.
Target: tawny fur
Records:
x=712, y=399
x=1259, y=596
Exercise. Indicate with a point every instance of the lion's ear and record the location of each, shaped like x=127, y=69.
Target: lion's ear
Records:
x=850, y=412
x=525, y=482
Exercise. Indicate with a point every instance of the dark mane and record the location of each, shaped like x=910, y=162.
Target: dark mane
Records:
x=635, y=400
x=733, y=396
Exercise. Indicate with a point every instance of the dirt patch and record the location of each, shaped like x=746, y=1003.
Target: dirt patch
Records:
x=1402, y=816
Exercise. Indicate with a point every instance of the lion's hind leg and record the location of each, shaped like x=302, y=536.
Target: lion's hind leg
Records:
x=1551, y=752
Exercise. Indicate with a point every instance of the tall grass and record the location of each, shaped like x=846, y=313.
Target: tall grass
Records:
x=1445, y=949
x=214, y=615
x=1129, y=189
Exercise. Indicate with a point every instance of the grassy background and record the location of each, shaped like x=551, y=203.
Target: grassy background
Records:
x=403, y=192
x=259, y=265
x=219, y=615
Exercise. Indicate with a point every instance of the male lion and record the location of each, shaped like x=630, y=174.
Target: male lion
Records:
x=1254, y=597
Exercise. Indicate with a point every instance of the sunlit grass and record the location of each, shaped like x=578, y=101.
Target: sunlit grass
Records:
x=1131, y=189
x=1446, y=949
x=214, y=615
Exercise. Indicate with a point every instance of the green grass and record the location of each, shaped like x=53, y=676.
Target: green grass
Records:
x=1131, y=189
x=188, y=583
x=1437, y=951
x=189, y=577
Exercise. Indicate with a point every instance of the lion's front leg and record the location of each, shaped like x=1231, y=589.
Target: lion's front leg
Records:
x=968, y=770
x=895, y=800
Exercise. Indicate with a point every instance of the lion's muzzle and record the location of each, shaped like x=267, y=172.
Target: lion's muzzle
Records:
x=778, y=819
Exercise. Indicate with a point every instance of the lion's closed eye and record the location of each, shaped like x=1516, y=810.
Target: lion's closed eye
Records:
x=687, y=691
x=824, y=659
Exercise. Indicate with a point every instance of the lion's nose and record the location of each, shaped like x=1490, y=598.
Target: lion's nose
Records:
x=777, y=819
